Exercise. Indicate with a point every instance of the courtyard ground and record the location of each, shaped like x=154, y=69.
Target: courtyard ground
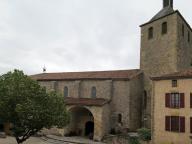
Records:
x=50, y=140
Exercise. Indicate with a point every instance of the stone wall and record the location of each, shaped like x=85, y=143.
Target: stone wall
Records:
x=103, y=88
x=125, y=99
x=136, y=94
x=158, y=55
x=82, y=89
x=120, y=103
x=184, y=47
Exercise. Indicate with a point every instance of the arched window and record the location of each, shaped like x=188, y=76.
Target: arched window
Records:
x=65, y=91
x=164, y=28
x=93, y=92
x=55, y=86
x=150, y=33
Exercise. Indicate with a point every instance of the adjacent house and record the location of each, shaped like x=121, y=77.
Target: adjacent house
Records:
x=172, y=108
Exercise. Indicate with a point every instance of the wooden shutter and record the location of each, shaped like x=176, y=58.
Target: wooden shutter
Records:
x=191, y=124
x=182, y=100
x=182, y=124
x=167, y=123
x=190, y=100
x=167, y=99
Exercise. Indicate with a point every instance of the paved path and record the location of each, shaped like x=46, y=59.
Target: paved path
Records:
x=32, y=140
x=50, y=140
x=72, y=140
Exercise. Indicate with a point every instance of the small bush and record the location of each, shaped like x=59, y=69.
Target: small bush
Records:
x=144, y=134
x=134, y=140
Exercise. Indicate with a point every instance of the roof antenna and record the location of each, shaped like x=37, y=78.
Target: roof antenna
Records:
x=44, y=69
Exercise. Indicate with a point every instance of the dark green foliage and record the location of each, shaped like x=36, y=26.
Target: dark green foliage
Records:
x=25, y=104
x=134, y=140
x=144, y=134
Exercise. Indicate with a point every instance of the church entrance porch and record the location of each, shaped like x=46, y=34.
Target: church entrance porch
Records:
x=81, y=123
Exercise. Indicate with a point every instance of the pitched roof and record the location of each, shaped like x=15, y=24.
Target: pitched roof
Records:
x=164, y=12
x=177, y=75
x=118, y=74
x=161, y=14
x=86, y=101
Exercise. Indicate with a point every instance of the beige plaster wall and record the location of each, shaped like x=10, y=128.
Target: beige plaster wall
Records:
x=160, y=136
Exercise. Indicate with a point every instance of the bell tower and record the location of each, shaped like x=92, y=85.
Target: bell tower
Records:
x=166, y=47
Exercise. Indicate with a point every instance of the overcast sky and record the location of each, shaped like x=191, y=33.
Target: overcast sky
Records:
x=75, y=35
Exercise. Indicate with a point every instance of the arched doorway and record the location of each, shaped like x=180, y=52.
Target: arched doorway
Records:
x=81, y=122
x=89, y=128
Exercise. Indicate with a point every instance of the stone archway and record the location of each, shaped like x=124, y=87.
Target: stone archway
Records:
x=81, y=122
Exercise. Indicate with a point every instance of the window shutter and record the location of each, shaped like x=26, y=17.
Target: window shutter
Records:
x=167, y=99
x=167, y=123
x=182, y=100
x=190, y=100
x=182, y=124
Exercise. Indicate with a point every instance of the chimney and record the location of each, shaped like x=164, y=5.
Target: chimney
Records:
x=167, y=3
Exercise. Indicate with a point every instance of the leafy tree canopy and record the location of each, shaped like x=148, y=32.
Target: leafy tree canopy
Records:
x=26, y=105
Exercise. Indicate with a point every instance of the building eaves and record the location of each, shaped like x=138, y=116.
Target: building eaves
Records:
x=94, y=75
x=185, y=74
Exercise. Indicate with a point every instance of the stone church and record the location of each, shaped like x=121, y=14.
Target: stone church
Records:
x=102, y=102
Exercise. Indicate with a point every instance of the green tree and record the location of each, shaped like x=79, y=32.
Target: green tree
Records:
x=28, y=107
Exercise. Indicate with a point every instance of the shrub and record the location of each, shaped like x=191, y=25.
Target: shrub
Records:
x=134, y=140
x=144, y=134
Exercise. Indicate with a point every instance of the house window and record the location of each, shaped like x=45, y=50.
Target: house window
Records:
x=174, y=83
x=150, y=33
x=93, y=92
x=189, y=36
x=183, y=30
x=175, y=100
x=164, y=28
x=175, y=124
x=66, y=91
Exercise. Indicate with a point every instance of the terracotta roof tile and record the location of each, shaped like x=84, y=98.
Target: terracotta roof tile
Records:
x=86, y=101
x=118, y=74
x=177, y=75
